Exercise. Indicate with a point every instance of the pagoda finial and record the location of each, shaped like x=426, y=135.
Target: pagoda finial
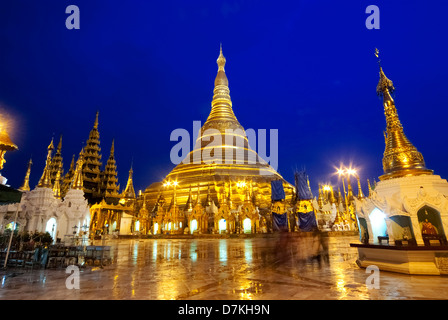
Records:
x=72, y=164
x=400, y=158
x=95, y=125
x=60, y=144
x=112, y=148
x=26, y=182
x=221, y=61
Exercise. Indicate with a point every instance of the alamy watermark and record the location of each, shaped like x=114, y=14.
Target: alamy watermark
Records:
x=72, y=281
x=230, y=146
x=373, y=280
x=373, y=20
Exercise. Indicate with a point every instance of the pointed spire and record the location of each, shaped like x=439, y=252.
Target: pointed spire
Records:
x=129, y=191
x=370, y=187
x=340, y=197
x=112, y=148
x=26, y=182
x=109, y=186
x=57, y=162
x=78, y=177
x=198, y=197
x=221, y=103
x=91, y=169
x=332, y=197
x=189, y=204
x=59, y=144
x=360, y=194
x=400, y=158
x=72, y=164
x=95, y=124
x=45, y=180
x=349, y=190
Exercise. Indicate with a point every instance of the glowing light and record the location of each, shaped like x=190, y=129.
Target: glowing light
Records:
x=122, y=201
x=247, y=225
x=193, y=225
x=241, y=184
x=222, y=225
x=378, y=223
x=326, y=187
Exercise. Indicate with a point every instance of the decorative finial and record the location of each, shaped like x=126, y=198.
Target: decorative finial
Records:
x=377, y=55
x=221, y=60
x=95, y=125
x=385, y=86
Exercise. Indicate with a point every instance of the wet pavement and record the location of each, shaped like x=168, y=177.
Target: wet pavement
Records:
x=272, y=268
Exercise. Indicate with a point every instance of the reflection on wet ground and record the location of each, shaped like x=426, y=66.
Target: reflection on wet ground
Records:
x=278, y=267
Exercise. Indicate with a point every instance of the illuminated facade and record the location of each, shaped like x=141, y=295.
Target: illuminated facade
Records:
x=232, y=195
x=42, y=209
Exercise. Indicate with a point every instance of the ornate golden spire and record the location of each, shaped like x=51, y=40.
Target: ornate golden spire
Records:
x=332, y=197
x=92, y=165
x=129, y=191
x=45, y=180
x=78, y=177
x=57, y=162
x=221, y=103
x=370, y=187
x=189, y=204
x=360, y=194
x=26, y=183
x=95, y=125
x=400, y=158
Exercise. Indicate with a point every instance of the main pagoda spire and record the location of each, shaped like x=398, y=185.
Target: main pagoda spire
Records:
x=221, y=103
x=92, y=165
x=400, y=158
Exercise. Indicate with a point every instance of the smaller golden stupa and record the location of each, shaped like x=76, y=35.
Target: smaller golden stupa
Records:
x=400, y=158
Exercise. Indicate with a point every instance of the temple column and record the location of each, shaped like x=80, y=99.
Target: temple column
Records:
x=389, y=230
x=444, y=218
x=369, y=231
x=416, y=229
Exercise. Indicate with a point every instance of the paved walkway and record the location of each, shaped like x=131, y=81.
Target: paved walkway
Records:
x=273, y=268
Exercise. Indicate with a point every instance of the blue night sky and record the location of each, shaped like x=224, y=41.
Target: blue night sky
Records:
x=306, y=68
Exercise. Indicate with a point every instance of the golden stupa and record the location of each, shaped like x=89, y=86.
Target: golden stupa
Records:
x=400, y=157
x=241, y=174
